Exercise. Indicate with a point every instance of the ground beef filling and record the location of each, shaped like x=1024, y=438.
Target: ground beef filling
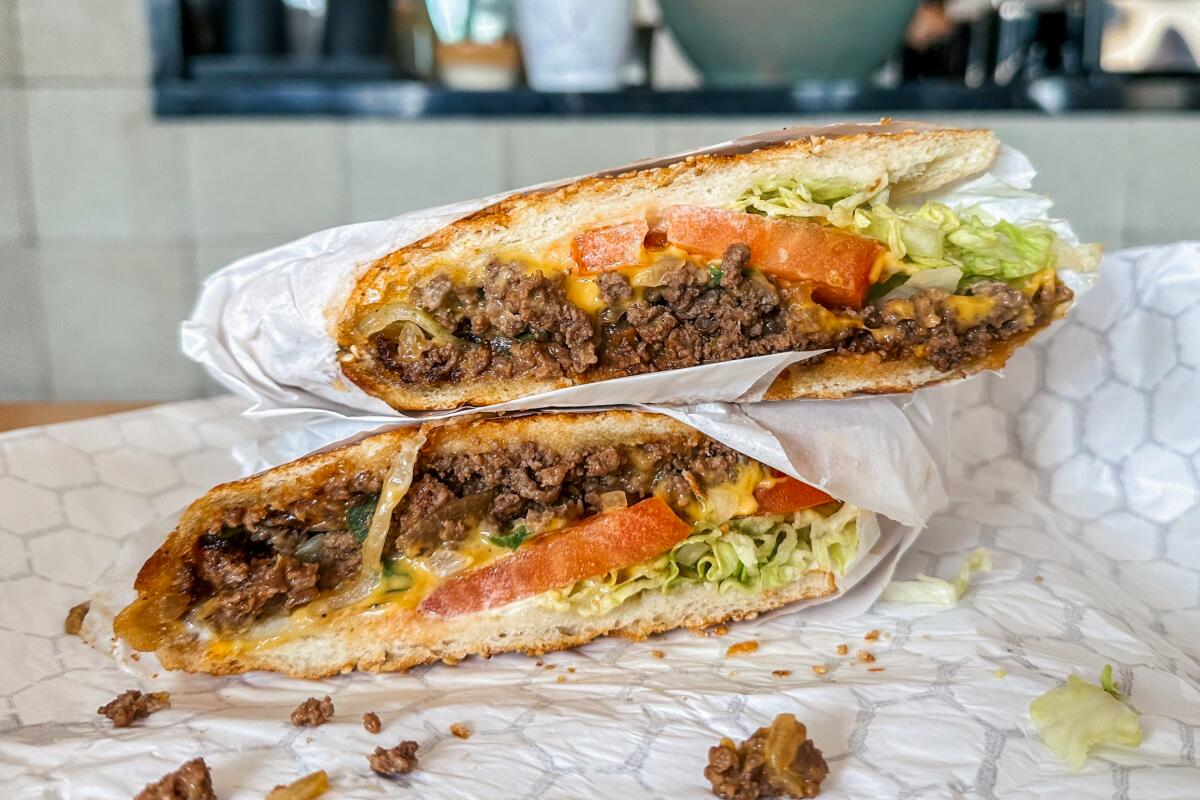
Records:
x=256, y=564
x=522, y=323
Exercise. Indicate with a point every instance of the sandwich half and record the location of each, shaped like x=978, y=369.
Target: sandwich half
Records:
x=524, y=534
x=813, y=243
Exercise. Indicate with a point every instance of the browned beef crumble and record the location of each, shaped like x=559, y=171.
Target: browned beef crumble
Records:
x=240, y=577
x=395, y=761
x=744, y=771
x=73, y=624
x=191, y=781
x=313, y=712
x=132, y=705
x=371, y=722
x=521, y=323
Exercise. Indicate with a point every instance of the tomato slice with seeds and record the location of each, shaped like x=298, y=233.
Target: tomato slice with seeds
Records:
x=838, y=265
x=610, y=248
x=787, y=495
x=612, y=540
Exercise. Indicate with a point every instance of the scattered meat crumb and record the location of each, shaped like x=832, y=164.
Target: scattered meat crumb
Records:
x=192, y=781
x=866, y=657
x=460, y=731
x=130, y=706
x=398, y=760
x=1000, y=673
x=720, y=630
x=876, y=669
x=842, y=649
x=561, y=679
x=551, y=666
x=570, y=669
x=777, y=761
x=871, y=635
x=73, y=624
x=742, y=648
x=539, y=663
x=137, y=657
x=658, y=654
x=781, y=673
x=313, y=712
x=310, y=787
x=450, y=661
x=820, y=669
x=1038, y=579
x=371, y=722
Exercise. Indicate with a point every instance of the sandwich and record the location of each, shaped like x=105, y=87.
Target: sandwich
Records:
x=813, y=244
x=525, y=534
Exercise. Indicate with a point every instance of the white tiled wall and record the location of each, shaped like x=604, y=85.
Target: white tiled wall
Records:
x=109, y=219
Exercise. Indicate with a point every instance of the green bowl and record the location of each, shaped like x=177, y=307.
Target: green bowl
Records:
x=776, y=42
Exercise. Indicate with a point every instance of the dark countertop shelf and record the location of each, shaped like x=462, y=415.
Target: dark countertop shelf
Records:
x=413, y=100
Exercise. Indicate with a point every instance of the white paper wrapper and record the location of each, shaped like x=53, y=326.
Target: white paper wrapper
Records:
x=1077, y=469
x=262, y=325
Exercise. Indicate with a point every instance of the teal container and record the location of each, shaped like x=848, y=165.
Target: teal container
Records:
x=778, y=42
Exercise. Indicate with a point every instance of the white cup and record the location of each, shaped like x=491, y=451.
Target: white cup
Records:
x=574, y=45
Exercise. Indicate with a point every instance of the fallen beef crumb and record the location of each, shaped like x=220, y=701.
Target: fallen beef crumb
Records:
x=192, y=781
x=73, y=624
x=460, y=731
x=561, y=679
x=313, y=712
x=871, y=635
x=128, y=707
x=781, y=673
x=399, y=760
x=842, y=649
x=371, y=722
x=742, y=648
x=820, y=669
x=779, y=761
x=658, y=654
x=866, y=657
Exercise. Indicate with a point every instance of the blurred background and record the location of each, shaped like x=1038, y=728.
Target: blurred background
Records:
x=146, y=143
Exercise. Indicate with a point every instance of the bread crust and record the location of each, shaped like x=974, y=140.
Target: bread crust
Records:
x=538, y=225
x=397, y=638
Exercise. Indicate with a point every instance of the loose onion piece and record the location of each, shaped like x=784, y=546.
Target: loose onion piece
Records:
x=308, y=787
x=392, y=313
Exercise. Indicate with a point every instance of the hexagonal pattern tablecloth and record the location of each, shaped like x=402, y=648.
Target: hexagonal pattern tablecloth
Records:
x=1078, y=470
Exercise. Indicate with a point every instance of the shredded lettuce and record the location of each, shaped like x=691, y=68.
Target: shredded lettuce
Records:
x=1078, y=716
x=931, y=236
x=748, y=554
x=935, y=591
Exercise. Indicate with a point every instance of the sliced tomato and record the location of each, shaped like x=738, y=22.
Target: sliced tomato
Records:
x=610, y=248
x=787, y=494
x=839, y=265
x=605, y=542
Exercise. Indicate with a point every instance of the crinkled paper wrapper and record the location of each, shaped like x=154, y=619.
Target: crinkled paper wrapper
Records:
x=1077, y=469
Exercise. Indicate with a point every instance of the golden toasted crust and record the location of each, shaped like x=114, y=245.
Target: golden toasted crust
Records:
x=538, y=226
x=396, y=639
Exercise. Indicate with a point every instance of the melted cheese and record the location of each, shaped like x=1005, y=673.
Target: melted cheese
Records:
x=970, y=310
x=734, y=498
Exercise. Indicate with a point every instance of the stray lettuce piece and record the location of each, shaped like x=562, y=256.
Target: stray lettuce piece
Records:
x=1106, y=681
x=358, y=518
x=1078, y=716
x=512, y=540
x=928, y=590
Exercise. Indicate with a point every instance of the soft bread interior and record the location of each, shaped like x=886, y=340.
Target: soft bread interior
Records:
x=539, y=226
x=397, y=639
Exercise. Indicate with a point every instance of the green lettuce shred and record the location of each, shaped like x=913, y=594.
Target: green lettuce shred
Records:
x=755, y=554
x=927, y=590
x=1075, y=718
x=933, y=235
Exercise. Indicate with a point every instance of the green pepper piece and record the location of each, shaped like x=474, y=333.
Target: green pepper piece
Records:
x=358, y=517
x=512, y=540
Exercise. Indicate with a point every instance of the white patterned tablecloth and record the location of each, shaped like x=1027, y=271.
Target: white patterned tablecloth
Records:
x=1079, y=470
